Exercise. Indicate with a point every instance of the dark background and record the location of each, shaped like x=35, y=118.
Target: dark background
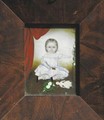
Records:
x=90, y=15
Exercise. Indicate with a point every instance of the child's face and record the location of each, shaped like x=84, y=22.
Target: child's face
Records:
x=51, y=47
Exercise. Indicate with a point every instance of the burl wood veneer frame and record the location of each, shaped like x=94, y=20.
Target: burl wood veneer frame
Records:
x=89, y=15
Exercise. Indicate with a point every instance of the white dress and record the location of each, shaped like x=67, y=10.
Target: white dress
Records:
x=49, y=67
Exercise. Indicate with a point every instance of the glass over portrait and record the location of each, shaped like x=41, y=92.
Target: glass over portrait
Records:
x=53, y=69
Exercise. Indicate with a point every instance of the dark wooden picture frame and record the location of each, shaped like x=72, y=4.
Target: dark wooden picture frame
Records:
x=14, y=14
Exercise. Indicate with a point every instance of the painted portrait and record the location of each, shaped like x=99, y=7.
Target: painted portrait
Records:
x=53, y=69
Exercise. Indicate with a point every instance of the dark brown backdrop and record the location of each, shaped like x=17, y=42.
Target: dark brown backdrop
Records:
x=13, y=104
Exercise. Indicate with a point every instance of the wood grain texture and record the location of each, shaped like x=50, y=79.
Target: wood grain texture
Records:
x=52, y=108
x=90, y=15
x=11, y=59
x=61, y=11
x=92, y=59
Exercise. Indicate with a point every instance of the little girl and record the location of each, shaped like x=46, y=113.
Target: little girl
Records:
x=49, y=67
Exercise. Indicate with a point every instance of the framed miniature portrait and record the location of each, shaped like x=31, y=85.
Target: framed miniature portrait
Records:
x=40, y=62
x=51, y=56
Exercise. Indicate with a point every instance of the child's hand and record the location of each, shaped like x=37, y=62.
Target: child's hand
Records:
x=53, y=68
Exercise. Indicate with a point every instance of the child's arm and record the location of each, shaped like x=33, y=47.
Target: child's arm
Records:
x=45, y=63
x=64, y=56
